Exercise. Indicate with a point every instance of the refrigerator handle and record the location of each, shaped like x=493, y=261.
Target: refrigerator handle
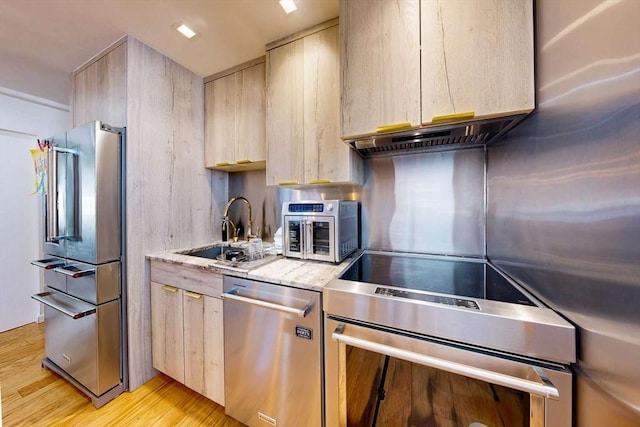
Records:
x=52, y=212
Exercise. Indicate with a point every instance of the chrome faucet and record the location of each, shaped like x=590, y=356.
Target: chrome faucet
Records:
x=227, y=223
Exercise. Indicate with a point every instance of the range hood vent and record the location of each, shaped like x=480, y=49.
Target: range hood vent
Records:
x=448, y=136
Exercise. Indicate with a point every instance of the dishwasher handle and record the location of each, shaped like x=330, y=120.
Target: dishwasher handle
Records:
x=232, y=295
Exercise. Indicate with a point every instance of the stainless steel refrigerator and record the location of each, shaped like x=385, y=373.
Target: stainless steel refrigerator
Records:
x=84, y=295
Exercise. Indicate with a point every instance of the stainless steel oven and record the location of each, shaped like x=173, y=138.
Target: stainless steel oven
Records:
x=433, y=340
x=325, y=230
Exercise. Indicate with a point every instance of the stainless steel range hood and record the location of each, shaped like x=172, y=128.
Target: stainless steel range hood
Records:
x=446, y=136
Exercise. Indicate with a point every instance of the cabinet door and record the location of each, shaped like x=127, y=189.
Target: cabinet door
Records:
x=326, y=157
x=221, y=97
x=193, y=341
x=477, y=56
x=203, y=346
x=100, y=90
x=250, y=119
x=213, y=350
x=166, y=330
x=285, y=67
x=380, y=64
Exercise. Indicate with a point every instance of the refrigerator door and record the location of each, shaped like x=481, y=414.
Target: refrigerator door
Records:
x=54, y=212
x=96, y=238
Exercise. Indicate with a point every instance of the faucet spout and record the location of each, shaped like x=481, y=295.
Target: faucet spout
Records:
x=225, y=218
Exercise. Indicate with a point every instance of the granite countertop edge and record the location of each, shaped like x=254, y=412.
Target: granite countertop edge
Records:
x=303, y=274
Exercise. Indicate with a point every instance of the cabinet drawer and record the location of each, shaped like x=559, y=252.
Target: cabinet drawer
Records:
x=187, y=277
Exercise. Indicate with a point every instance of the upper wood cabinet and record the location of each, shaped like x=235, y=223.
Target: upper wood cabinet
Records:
x=100, y=89
x=303, y=104
x=380, y=64
x=406, y=63
x=235, y=118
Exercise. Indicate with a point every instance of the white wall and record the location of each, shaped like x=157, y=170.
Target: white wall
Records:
x=23, y=119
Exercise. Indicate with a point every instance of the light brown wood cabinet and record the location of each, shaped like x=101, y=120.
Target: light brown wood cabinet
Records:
x=409, y=62
x=187, y=332
x=235, y=118
x=100, y=89
x=160, y=103
x=303, y=104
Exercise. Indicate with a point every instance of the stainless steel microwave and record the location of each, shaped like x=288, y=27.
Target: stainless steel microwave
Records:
x=325, y=230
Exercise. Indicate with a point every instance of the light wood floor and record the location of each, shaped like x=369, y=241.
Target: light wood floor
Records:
x=33, y=396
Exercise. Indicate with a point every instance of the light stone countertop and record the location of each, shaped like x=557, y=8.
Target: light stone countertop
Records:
x=312, y=275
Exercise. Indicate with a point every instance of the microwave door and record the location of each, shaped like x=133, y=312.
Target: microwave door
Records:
x=294, y=237
x=320, y=232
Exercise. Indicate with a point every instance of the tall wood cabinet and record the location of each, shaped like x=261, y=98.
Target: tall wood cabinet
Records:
x=235, y=118
x=303, y=104
x=187, y=332
x=169, y=194
x=416, y=62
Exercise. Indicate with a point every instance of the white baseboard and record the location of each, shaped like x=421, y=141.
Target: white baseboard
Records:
x=40, y=318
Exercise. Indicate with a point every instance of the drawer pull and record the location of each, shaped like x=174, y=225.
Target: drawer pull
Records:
x=288, y=183
x=243, y=161
x=193, y=295
x=223, y=164
x=320, y=181
x=169, y=288
x=453, y=117
x=393, y=127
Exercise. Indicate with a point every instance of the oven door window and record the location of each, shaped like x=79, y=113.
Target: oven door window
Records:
x=294, y=235
x=321, y=238
x=385, y=391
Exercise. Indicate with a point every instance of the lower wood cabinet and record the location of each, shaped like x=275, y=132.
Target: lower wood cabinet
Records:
x=187, y=329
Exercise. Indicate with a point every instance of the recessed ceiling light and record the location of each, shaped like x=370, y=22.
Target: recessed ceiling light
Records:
x=288, y=5
x=186, y=31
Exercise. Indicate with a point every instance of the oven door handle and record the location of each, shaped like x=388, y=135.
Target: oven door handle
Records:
x=544, y=387
x=47, y=298
x=290, y=310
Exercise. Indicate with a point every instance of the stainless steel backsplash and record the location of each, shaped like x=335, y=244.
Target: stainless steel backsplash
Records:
x=426, y=203
x=564, y=196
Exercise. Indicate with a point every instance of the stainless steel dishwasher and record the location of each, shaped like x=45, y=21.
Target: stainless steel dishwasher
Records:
x=273, y=354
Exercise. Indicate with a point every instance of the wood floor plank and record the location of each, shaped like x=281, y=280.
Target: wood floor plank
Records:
x=34, y=396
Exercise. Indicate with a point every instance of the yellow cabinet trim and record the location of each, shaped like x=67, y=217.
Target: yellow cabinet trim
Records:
x=453, y=117
x=170, y=288
x=393, y=127
x=192, y=295
x=320, y=181
x=243, y=161
x=288, y=183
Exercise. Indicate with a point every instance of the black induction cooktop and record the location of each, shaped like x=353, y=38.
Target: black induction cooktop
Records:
x=472, y=278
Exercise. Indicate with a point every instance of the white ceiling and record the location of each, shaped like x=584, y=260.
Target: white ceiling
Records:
x=43, y=41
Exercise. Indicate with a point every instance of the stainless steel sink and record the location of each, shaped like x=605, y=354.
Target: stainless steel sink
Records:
x=210, y=253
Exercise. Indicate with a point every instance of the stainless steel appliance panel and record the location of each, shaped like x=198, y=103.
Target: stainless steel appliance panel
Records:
x=96, y=284
x=549, y=387
x=273, y=367
x=564, y=196
x=98, y=158
x=52, y=278
x=53, y=209
x=525, y=330
x=73, y=340
x=426, y=203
